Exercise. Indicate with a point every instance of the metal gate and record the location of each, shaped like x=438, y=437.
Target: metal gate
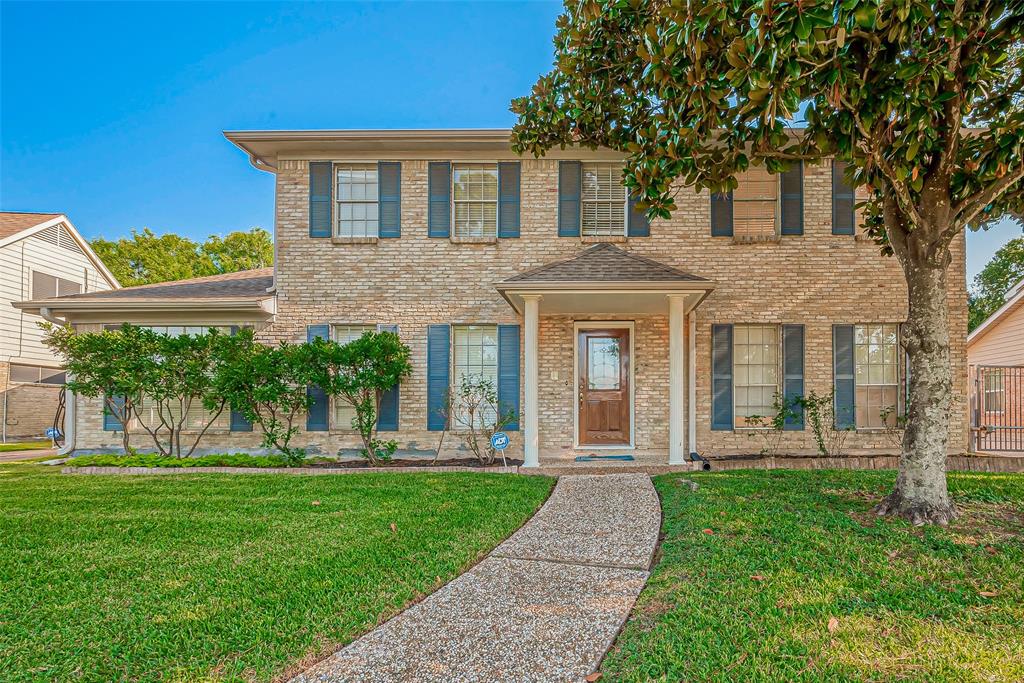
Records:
x=997, y=408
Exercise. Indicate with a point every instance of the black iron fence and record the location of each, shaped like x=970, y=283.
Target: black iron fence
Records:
x=997, y=408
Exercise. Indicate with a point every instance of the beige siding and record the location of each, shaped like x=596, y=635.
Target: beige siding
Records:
x=20, y=336
x=1003, y=343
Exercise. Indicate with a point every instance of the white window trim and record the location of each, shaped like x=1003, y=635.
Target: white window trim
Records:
x=779, y=373
x=625, y=202
x=900, y=378
x=777, y=220
x=452, y=201
x=332, y=407
x=603, y=325
x=336, y=215
x=452, y=366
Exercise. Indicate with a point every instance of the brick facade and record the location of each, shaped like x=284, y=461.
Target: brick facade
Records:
x=29, y=408
x=816, y=279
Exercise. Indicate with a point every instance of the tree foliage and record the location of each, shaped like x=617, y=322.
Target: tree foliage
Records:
x=695, y=92
x=147, y=258
x=358, y=373
x=1003, y=271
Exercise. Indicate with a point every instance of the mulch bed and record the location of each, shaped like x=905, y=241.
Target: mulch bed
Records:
x=410, y=462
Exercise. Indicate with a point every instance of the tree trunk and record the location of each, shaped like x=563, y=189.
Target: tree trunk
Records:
x=920, y=495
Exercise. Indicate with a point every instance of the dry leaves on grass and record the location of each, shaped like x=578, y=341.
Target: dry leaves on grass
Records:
x=833, y=625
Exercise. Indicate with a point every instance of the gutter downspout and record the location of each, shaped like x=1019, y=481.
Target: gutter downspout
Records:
x=69, y=396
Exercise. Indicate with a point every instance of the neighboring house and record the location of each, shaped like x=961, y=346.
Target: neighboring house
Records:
x=606, y=332
x=41, y=256
x=995, y=359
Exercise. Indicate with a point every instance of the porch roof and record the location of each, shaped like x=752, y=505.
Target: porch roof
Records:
x=604, y=279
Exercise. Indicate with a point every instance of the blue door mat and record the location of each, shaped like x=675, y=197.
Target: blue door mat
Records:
x=593, y=457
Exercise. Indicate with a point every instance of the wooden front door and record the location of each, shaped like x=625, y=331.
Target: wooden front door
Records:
x=603, y=401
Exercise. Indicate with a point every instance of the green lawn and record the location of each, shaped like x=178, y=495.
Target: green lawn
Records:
x=23, y=446
x=797, y=580
x=219, y=577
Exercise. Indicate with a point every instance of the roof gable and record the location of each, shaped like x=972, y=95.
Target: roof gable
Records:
x=14, y=222
x=605, y=263
x=16, y=226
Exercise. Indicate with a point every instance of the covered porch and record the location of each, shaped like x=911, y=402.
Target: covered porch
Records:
x=609, y=364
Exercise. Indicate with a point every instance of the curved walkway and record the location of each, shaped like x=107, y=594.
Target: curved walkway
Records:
x=545, y=605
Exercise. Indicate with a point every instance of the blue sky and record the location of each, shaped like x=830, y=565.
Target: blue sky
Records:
x=112, y=113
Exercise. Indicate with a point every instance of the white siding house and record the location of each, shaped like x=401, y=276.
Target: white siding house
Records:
x=41, y=254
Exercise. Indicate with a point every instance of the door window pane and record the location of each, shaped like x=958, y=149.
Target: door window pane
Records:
x=603, y=364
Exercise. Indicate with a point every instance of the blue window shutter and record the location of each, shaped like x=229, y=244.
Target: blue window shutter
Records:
x=721, y=214
x=508, y=373
x=438, y=374
x=721, y=377
x=239, y=423
x=639, y=224
x=439, y=211
x=316, y=418
x=387, y=421
x=389, y=198
x=320, y=198
x=843, y=202
x=843, y=376
x=570, y=184
x=792, y=191
x=110, y=421
x=793, y=373
x=508, y=198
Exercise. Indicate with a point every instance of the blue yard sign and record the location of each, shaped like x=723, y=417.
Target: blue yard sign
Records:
x=52, y=433
x=499, y=441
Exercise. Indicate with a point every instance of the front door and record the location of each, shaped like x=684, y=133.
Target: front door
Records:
x=604, y=395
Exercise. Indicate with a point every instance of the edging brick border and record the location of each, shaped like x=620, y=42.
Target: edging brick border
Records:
x=981, y=463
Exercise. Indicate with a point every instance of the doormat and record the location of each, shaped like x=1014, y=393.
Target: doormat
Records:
x=593, y=457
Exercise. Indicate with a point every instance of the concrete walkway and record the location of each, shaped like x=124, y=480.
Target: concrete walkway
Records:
x=14, y=456
x=545, y=605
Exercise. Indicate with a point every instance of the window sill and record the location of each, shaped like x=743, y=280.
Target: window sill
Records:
x=876, y=430
x=474, y=240
x=755, y=239
x=601, y=239
x=354, y=240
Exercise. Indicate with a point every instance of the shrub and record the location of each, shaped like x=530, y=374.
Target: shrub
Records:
x=475, y=414
x=268, y=385
x=821, y=415
x=358, y=373
x=770, y=429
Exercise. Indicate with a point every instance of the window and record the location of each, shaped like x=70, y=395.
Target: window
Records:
x=995, y=391
x=344, y=413
x=603, y=200
x=45, y=286
x=755, y=204
x=36, y=374
x=475, y=197
x=844, y=202
x=356, y=194
x=876, y=376
x=178, y=330
x=474, y=355
x=756, y=370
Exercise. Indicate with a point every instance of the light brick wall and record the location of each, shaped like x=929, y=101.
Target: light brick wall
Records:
x=28, y=409
x=816, y=279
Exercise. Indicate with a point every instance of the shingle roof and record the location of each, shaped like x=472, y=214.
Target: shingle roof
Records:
x=241, y=285
x=13, y=222
x=605, y=263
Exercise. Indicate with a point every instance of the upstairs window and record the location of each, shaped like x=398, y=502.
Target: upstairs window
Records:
x=45, y=286
x=755, y=204
x=756, y=361
x=603, y=200
x=475, y=199
x=357, y=200
x=344, y=413
x=876, y=376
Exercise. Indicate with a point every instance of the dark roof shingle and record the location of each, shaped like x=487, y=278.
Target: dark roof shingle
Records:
x=13, y=222
x=605, y=263
x=241, y=285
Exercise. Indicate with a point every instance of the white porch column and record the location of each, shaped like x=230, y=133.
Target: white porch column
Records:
x=531, y=439
x=691, y=381
x=676, y=380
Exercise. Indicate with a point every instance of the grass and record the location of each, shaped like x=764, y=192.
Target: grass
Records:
x=156, y=460
x=23, y=446
x=767, y=576
x=226, y=578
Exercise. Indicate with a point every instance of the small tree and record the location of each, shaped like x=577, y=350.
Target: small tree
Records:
x=476, y=415
x=358, y=373
x=769, y=429
x=112, y=364
x=266, y=384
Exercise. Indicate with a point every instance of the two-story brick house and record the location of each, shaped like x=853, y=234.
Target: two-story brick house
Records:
x=606, y=332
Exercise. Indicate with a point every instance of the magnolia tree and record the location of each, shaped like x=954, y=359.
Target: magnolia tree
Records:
x=357, y=374
x=922, y=98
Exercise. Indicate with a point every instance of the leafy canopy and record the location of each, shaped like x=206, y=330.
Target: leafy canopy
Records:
x=146, y=258
x=698, y=91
